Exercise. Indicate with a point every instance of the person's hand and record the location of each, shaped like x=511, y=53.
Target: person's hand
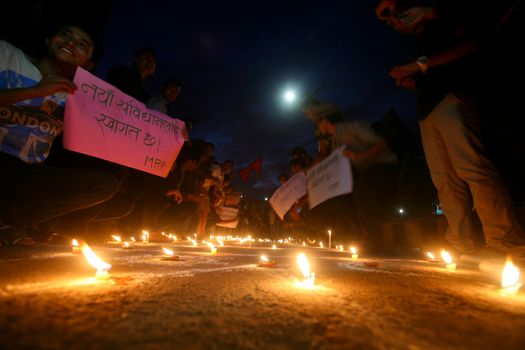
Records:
x=175, y=195
x=52, y=84
x=415, y=16
x=404, y=71
x=350, y=154
x=185, y=134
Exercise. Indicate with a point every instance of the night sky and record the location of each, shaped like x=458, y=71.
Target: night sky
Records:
x=235, y=60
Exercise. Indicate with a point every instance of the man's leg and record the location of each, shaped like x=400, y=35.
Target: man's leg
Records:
x=460, y=130
x=39, y=194
x=453, y=193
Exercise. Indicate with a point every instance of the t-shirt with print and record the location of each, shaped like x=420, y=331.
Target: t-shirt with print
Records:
x=27, y=128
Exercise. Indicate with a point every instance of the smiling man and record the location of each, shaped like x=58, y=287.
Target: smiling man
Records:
x=32, y=97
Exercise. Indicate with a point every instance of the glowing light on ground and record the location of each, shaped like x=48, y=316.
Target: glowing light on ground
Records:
x=447, y=258
x=510, y=278
x=101, y=266
x=308, y=276
x=353, y=250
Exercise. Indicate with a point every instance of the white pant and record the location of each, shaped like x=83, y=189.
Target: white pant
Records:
x=465, y=179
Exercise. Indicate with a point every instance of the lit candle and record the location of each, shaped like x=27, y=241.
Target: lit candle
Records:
x=321, y=245
x=169, y=255
x=431, y=256
x=265, y=262
x=101, y=266
x=213, y=249
x=116, y=238
x=308, y=276
x=449, y=263
x=510, y=278
x=274, y=246
x=126, y=245
x=145, y=236
x=75, y=247
x=330, y=239
x=353, y=250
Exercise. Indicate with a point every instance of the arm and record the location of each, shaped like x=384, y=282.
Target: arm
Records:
x=369, y=155
x=448, y=56
x=49, y=85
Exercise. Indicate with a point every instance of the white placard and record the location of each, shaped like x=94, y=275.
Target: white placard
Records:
x=330, y=178
x=286, y=195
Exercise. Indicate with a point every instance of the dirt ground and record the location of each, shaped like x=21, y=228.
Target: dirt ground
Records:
x=49, y=299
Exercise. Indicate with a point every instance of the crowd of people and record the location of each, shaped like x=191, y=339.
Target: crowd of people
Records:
x=47, y=189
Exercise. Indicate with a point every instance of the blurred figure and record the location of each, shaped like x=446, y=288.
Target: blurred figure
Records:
x=374, y=169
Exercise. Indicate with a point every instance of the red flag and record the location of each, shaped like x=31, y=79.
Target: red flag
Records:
x=255, y=166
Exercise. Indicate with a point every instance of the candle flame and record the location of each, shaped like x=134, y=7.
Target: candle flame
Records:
x=75, y=243
x=321, y=244
x=264, y=258
x=132, y=239
x=304, y=266
x=213, y=250
x=168, y=252
x=430, y=255
x=126, y=245
x=101, y=266
x=510, y=277
x=145, y=236
x=353, y=250
x=446, y=257
x=116, y=238
x=274, y=246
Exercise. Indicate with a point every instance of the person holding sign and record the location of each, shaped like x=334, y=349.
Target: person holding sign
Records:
x=373, y=166
x=32, y=97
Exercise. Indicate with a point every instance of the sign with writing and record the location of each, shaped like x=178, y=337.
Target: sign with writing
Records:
x=330, y=178
x=103, y=122
x=229, y=217
x=286, y=195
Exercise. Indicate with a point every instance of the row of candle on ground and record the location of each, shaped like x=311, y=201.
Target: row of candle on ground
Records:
x=220, y=241
x=510, y=278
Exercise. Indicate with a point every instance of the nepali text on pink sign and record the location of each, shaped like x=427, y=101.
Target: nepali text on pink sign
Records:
x=103, y=122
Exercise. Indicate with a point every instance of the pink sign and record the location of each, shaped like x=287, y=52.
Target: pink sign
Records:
x=103, y=122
